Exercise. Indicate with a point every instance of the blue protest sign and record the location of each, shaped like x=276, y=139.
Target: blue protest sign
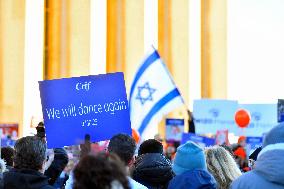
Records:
x=200, y=140
x=263, y=118
x=174, y=129
x=280, y=110
x=253, y=143
x=75, y=107
x=213, y=115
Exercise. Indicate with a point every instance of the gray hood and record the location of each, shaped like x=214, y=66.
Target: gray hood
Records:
x=270, y=165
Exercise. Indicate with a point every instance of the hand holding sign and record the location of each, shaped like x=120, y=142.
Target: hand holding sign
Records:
x=74, y=107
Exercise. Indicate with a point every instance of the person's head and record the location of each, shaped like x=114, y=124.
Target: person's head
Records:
x=30, y=153
x=40, y=129
x=189, y=156
x=274, y=136
x=273, y=140
x=100, y=171
x=124, y=146
x=242, y=141
x=150, y=146
x=228, y=149
x=222, y=166
x=7, y=154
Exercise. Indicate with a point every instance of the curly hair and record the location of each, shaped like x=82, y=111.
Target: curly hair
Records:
x=222, y=166
x=150, y=146
x=123, y=146
x=30, y=153
x=101, y=172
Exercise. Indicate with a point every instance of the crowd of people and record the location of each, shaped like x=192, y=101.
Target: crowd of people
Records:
x=30, y=165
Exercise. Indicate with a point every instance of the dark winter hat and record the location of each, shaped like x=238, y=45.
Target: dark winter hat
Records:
x=150, y=146
x=275, y=135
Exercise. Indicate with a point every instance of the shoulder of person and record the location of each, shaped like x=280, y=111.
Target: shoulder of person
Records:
x=249, y=180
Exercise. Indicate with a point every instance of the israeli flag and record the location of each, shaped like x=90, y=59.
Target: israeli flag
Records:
x=152, y=95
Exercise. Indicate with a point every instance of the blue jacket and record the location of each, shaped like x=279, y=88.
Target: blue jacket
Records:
x=268, y=173
x=195, y=179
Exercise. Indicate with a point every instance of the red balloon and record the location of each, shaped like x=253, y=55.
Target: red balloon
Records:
x=136, y=136
x=242, y=118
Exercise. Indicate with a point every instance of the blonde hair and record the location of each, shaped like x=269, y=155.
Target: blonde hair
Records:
x=222, y=166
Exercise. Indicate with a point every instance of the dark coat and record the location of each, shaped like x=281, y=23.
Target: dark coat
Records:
x=1, y=181
x=25, y=179
x=153, y=170
x=195, y=179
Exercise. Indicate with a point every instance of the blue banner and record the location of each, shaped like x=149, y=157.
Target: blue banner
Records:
x=263, y=118
x=280, y=110
x=200, y=140
x=75, y=107
x=213, y=115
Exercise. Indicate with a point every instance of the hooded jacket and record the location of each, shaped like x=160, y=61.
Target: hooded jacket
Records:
x=25, y=179
x=268, y=172
x=153, y=170
x=194, y=179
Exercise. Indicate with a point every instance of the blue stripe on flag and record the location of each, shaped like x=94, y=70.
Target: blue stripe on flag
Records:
x=161, y=103
x=151, y=59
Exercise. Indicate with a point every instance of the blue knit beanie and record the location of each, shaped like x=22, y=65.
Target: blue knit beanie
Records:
x=189, y=156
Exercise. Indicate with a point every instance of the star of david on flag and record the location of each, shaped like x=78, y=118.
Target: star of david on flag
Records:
x=153, y=94
x=145, y=93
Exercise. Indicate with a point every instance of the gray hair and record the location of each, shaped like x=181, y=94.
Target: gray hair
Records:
x=30, y=153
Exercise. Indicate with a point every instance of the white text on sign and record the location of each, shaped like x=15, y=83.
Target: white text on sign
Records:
x=83, y=86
